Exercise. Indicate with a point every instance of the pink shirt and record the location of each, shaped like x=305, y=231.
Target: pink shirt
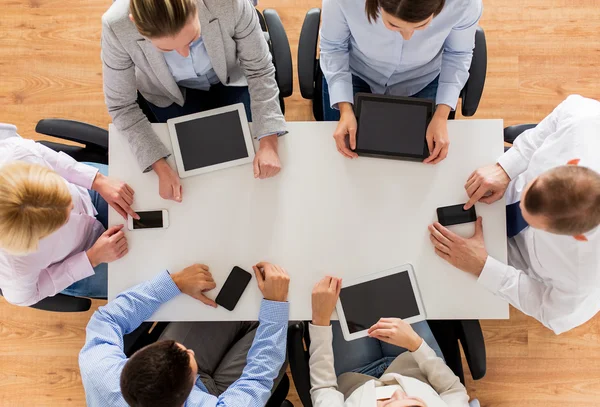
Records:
x=61, y=259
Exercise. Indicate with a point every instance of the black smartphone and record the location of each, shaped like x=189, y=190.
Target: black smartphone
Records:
x=455, y=214
x=233, y=288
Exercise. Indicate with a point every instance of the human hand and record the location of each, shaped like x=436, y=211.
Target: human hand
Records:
x=396, y=332
x=266, y=161
x=486, y=184
x=110, y=246
x=169, y=185
x=437, y=135
x=466, y=254
x=345, y=133
x=273, y=281
x=194, y=281
x=324, y=297
x=116, y=193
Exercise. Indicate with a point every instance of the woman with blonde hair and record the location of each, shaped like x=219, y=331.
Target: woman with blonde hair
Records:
x=183, y=57
x=52, y=229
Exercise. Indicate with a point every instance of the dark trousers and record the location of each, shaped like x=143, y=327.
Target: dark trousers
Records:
x=197, y=101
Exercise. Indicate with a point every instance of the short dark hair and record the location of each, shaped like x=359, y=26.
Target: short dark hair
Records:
x=569, y=197
x=157, y=375
x=411, y=11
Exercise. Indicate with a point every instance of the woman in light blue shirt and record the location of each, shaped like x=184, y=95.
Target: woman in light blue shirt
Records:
x=420, y=48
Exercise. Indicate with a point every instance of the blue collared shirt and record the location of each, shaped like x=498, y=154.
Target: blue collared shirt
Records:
x=388, y=63
x=102, y=359
x=194, y=71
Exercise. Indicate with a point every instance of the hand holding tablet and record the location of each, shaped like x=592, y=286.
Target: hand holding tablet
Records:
x=396, y=331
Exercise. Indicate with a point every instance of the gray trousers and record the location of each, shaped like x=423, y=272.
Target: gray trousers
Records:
x=221, y=349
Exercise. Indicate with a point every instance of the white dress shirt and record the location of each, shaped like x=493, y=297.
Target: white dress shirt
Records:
x=440, y=387
x=60, y=259
x=553, y=278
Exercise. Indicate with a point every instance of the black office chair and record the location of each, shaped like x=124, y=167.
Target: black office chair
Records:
x=311, y=78
x=149, y=333
x=95, y=149
x=512, y=132
x=280, y=52
x=447, y=333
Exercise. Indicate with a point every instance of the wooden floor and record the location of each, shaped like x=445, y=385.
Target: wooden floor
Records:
x=539, y=52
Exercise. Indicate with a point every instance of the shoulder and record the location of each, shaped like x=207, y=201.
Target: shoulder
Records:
x=117, y=15
x=577, y=104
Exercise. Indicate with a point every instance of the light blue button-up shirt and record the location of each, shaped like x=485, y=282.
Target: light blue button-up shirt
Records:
x=388, y=63
x=194, y=71
x=102, y=359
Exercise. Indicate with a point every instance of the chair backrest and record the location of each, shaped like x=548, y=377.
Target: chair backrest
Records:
x=280, y=51
x=62, y=303
x=473, y=89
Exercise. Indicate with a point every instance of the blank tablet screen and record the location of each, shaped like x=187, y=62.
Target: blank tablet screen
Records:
x=386, y=297
x=392, y=128
x=211, y=140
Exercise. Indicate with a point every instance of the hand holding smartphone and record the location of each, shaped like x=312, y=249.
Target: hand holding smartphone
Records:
x=456, y=214
x=157, y=219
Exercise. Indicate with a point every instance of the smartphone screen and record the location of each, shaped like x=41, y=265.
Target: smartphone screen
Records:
x=149, y=220
x=455, y=214
x=233, y=288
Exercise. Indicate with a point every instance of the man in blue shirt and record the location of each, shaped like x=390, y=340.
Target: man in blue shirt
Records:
x=166, y=373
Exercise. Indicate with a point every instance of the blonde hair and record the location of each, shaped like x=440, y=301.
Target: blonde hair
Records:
x=161, y=18
x=34, y=203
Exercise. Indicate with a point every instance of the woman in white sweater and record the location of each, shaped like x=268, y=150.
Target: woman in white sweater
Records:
x=415, y=378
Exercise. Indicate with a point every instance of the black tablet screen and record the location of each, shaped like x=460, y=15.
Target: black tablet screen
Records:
x=211, y=140
x=386, y=297
x=392, y=128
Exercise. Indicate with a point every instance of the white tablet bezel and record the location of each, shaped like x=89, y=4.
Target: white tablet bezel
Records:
x=238, y=107
x=375, y=276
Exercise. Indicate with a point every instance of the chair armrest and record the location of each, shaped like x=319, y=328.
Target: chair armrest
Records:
x=64, y=303
x=512, y=132
x=473, y=344
x=307, y=53
x=471, y=93
x=298, y=359
x=74, y=131
x=282, y=56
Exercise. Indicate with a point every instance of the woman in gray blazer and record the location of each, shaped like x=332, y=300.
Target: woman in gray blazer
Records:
x=187, y=56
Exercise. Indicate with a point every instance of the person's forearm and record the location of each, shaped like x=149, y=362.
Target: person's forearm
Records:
x=265, y=358
x=269, y=142
x=51, y=280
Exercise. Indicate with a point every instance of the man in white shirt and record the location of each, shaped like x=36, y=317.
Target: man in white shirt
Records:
x=554, y=239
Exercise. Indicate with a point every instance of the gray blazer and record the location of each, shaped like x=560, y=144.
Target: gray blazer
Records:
x=238, y=52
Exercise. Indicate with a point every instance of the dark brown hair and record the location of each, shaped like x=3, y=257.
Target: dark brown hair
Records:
x=161, y=18
x=157, y=375
x=569, y=197
x=411, y=11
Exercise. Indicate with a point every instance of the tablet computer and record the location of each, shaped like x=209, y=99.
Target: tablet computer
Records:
x=392, y=126
x=388, y=294
x=212, y=140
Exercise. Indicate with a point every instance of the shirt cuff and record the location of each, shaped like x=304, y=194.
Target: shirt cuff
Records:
x=492, y=275
x=278, y=133
x=165, y=287
x=340, y=91
x=423, y=353
x=447, y=94
x=322, y=333
x=513, y=163
x=274, y=311
x=81, y=267
x=84, y=175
